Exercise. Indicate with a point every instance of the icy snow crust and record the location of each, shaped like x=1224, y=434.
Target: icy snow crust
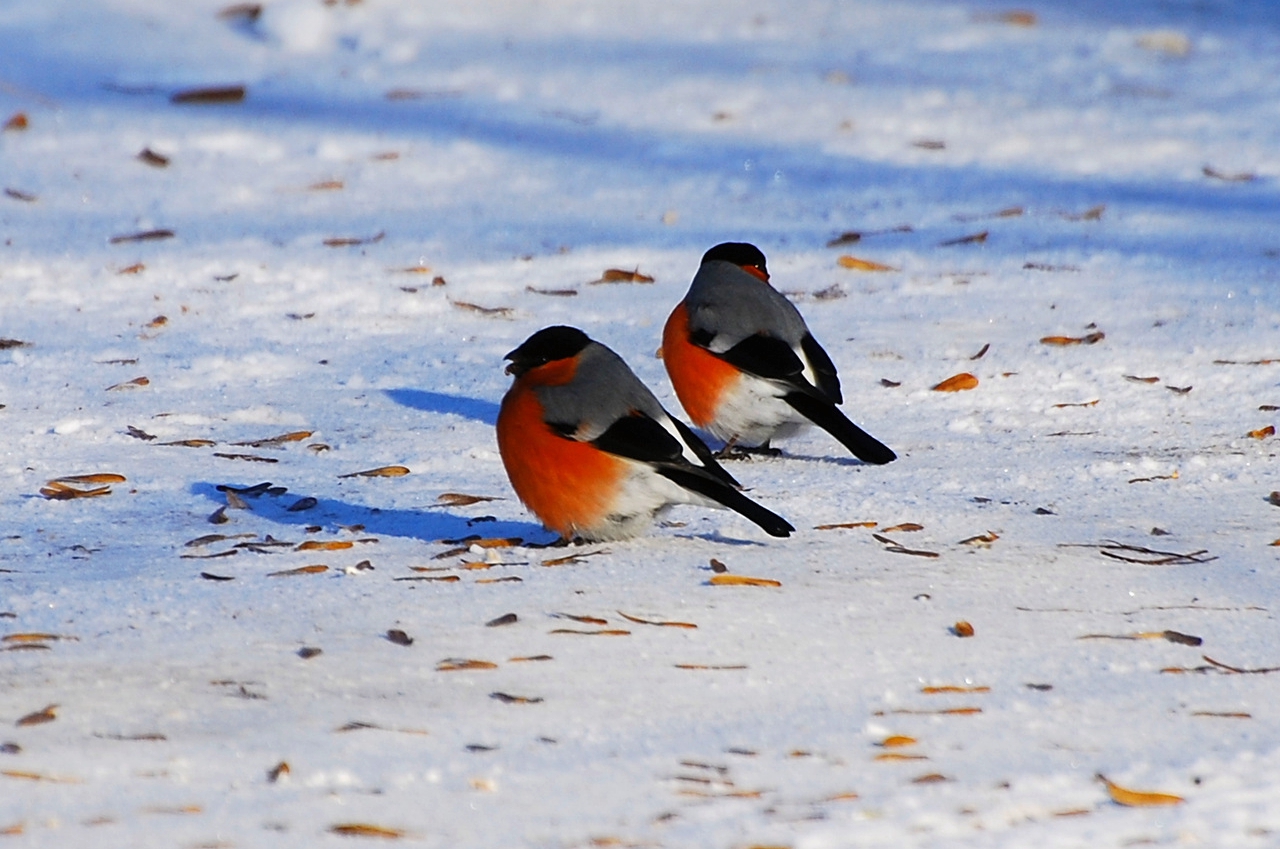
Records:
x=536, y=145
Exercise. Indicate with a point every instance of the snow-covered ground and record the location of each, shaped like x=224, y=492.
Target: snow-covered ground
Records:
x=1123, y=161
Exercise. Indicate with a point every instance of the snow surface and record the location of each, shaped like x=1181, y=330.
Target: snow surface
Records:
x=512, y=147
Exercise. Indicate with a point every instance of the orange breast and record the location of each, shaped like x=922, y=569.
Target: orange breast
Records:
x=699, y=377
x=566, y=484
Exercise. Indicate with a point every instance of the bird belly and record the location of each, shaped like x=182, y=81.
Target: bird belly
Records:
x=752, y=412
x=642, y=496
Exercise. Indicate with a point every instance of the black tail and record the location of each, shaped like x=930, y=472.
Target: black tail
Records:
x=701, y=482
x=825, y=415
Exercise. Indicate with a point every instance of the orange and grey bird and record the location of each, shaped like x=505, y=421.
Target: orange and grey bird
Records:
x=591, y=452
x=744, y=364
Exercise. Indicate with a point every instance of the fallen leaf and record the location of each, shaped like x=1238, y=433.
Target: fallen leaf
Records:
x=17, y=121
x=143, y=236
x=278, y=771
x=855, y=264
x=326, y=186
x=209, y=94
x=27, y=775
x=972, y=239
x=619, y=275
x=18, y=194
x=326, y=545
x=400, y=638
x=905, y=526
x=839, y=525
x=364, y=829
x=459, y=499
x=301, y=570
x=741, y=581
x=505, y=619
x=962, y=629
x=663, y=624
x=1263, y=432
x=272, y=442
x=899, y=756
x=848, y=237
x=1092, y=403
x=1138, y=798
x=252, y=458
x=100, y=477
x=508, y=699
x=981, y=540
x=957, y=383
x=380, y=472
x=555, y=293
x=896, y=741
x=40, y=717
x=497, y=312
x=35, y=638
x=130, y=384
x=463, y=665
x=1133, y=378
x=155, y=160
x=56, y=491
x=604, y=632
x=1090, y=339
x=352, y=241
x=191, y=443
x=930, y=778
x=953, y=688
x=1229, y=177
x=586, y=620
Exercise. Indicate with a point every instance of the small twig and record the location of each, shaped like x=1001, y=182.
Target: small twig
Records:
x=1238, y=670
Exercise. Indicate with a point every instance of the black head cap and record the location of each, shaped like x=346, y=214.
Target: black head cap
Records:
x=738, y=253
x=547, y=345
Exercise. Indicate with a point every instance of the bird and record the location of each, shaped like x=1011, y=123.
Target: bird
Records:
x=592, y=453
x=745, y=366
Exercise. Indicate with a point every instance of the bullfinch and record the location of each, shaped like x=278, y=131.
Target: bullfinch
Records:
x=744, y=364
x=591, y=452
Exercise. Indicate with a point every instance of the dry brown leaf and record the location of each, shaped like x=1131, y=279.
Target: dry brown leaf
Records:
x=364, y=829
x=899, y=756
x=278, y=771
x=100, y=477
x=191, y=443
x=301, y=570
x=530, y=658
x=1092, y=403
x=741, y=581
x=209, y=94
x=573, y=558
x=905, y=526
x=847, y=796
x=620, y=275
x=664, y=624
x=496, y=312
x=586, y=620
x=39, y=717
x=962, y=629
x=604, y=632
x=930, y=778
x=953, y=688
x=36, y=638
x=380, y=472
x=326, y=186
x=1138, y=798
x=130, y=384
x=455, y=664
x=56, y=491
x=957, y=383
x=271, y=442
x=971, y=239
x=136, y=268
x=326, y=545
x=1263, y=432
x=981, y=540
x=838, y=525
x=155, y=160
x=460, y=499
x=1229, y=177
x=143, y=236
x=896, y=741
x=17, y=121
x=27, y=775
x=710, y=666
x=1090, y=339
x=853, y=263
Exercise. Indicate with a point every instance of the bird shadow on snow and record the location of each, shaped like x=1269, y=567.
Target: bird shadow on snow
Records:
x=429, y=524
x=485, y=412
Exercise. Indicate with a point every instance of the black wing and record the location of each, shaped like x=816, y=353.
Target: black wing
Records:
x=638, y=437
